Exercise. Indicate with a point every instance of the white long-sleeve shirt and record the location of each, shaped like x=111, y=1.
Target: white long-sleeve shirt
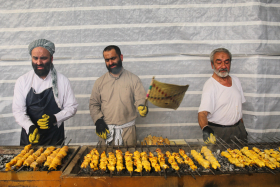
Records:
x=23, y=84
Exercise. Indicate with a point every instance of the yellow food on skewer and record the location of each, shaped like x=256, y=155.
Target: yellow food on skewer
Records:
x=119, y=156
x=19, y=156
x=94, y=160
x=128, y=161
x=210, y=157
x=154, y=162
x=137, y=162
x=199, y=158
x=187, y=160
x=42, y=158
x=145, y=163
x=58, y=158
x=103, y=161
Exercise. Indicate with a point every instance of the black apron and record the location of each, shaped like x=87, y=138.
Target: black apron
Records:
x=38, y=105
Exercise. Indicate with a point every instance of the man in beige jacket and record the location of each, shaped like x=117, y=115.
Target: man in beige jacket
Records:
x=114, y=101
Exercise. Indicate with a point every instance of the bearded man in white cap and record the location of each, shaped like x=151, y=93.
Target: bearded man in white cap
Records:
x=43, y=98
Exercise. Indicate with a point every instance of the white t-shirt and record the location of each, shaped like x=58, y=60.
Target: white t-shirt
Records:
x=224, y=104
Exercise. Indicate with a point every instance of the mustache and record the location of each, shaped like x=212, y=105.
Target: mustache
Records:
x=42, y=65
x=223, y=69
x=113, y=65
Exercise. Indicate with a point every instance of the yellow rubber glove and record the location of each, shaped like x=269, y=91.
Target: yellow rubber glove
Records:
x=46, y=121
x=101, y=128
x=143, y=110
x=34, y=135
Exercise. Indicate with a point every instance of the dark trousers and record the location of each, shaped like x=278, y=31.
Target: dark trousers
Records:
x=228, y=133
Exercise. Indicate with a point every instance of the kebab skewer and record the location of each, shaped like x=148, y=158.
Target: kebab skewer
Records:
x=128, y=162
x=57, y=161
x=188, y=161
x=42, y=158
x=119, y=156
x=154, y=162
x=199, y=158
x=50, y=159
x=137, y=162
x=145, y=163
x=15, y=159
x=210, y=157
x=257, y=159
x=21, y=160
x=58, y=158
x=31, y=158
x=111, y=162
x=172, y=161
x=94, y=160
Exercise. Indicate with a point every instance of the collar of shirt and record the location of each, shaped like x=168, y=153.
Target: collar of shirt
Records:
x=118, y=75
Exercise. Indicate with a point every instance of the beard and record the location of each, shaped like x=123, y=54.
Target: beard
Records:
x=221, y=74
x=116, y=69
x=42, y=72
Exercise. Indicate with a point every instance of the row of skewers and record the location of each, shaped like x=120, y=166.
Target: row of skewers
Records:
x=50, y=158
x=202, y=160
x=139, y=162
x=268, y=159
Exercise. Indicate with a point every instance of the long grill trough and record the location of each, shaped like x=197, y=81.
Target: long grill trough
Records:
x=225, y=173
x=25, y=175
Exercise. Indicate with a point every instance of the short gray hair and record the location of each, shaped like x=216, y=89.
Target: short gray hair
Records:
x=219, y=50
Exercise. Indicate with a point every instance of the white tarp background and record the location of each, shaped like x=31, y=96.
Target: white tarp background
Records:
x=169, y=39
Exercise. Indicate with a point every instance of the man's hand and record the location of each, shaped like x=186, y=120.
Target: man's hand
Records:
x=143, y=110
x=101, y=128
x=208, y=135
x=46, y=121
x=33, y=134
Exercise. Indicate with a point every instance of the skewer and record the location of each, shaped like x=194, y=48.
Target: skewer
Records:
x=212, y=171
x=187, y=167
x=150, y=151
x=191, y=149
x=277, y=139
x=62, y=141
x=49, y=170
x=264, y=141
x=226, y=143
x=208, y=168
x=272, y=140
x=213, y=156
x=67, y=143
x=176, y=171
x=20, y=168
x=83, y=169
x=256, y=141
x=241, y=148
x=227, y=151
x=164, y=171
x=240, y=141
x=269, y=170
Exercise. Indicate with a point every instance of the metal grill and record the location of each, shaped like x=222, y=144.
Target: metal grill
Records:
x=226, y=167
x=7, y=153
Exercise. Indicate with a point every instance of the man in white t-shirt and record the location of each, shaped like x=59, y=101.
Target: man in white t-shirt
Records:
x=220, y=111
